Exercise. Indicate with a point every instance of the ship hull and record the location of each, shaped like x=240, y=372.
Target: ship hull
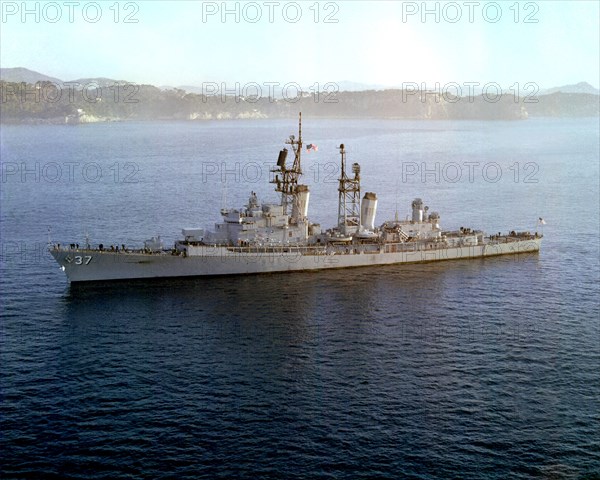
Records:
x=92, y=265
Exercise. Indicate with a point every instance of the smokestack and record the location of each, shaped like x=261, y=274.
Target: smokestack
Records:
x=417, y=210
x=300, y=206
x=368, y=209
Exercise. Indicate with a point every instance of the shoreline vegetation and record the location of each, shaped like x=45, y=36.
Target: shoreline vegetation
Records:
x=50, y=103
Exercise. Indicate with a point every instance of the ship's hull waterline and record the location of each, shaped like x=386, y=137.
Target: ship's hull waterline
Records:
x=82, y=265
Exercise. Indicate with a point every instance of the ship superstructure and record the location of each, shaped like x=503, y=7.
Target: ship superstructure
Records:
x=275, y=237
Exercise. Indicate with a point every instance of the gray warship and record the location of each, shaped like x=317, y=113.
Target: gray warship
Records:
x=279, y=237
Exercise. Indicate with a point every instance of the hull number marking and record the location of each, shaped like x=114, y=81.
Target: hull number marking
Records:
x=79, y=260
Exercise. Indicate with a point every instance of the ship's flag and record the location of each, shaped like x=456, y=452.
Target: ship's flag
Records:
x=541, y=221
x=312, y=147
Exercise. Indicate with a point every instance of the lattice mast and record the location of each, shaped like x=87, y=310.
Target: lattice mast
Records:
x=349, y=197
x=286, y=179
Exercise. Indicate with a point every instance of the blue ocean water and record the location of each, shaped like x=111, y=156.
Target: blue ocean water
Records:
x=463, y=369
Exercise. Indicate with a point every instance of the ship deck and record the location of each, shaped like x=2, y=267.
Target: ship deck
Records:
x=333, y=248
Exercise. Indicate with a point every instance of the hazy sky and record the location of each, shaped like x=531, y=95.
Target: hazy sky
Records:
x=547, y=42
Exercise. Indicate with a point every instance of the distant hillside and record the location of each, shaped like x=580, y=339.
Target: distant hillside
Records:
x=19, y=74
x=40, y=102
x=565, y=105
x=277, y=91
x=581, y=87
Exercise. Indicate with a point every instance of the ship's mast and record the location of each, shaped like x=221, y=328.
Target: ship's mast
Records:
x=286, y=179
x=349, y=197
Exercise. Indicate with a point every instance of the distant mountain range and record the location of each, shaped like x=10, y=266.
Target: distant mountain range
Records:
x=581, y=87
x=20, y=74
x=353, y=100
